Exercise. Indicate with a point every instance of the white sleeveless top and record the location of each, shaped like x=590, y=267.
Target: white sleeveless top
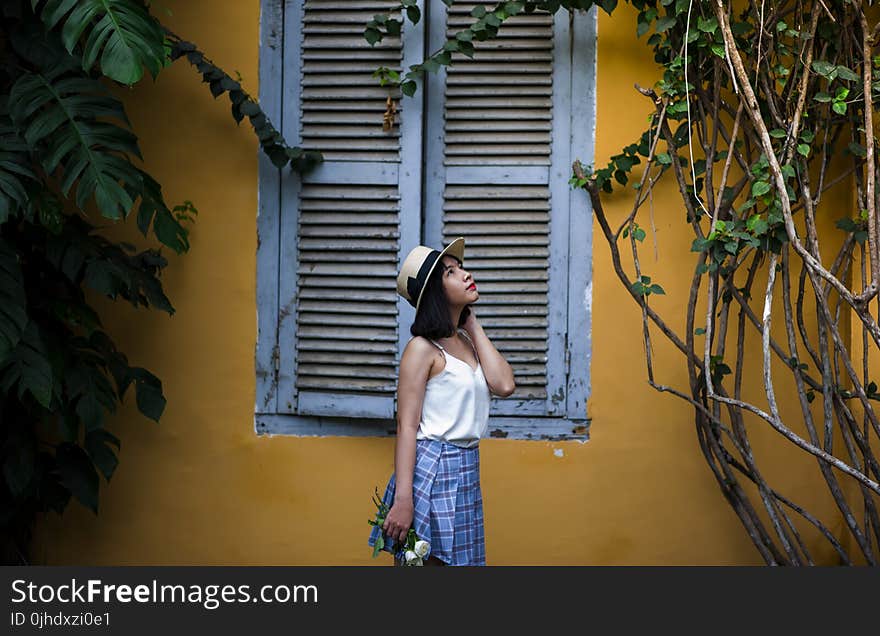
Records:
x=456, y=404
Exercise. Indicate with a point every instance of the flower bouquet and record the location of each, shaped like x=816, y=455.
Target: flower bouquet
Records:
x=412, y=551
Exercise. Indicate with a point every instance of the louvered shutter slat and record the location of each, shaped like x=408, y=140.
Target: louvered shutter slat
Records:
x=337, y=69
x=343, y=228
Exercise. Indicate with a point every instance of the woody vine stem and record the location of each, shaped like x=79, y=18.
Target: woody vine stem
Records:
x=780, y=98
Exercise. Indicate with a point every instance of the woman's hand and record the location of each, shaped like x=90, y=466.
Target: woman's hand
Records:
x=398, y=521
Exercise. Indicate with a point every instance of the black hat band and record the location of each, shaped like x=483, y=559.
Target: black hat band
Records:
x=414, y=285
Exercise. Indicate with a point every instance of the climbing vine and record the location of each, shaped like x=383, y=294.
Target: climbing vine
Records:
x=759, y=110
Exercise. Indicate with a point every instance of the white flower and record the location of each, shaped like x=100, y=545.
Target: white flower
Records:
x=411, y=556
x=422, y=548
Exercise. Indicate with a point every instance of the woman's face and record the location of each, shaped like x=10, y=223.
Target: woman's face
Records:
x=458, y=284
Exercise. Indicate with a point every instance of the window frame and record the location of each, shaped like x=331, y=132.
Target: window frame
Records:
x=278, y=63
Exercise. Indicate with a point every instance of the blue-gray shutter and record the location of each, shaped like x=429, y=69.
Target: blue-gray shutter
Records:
x=498, y=163
x=342, y=225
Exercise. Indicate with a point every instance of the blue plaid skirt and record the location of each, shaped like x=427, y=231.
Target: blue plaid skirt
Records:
x=447, y=503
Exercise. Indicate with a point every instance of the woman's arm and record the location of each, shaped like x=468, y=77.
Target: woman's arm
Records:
x=415, y=365
x=498, y=372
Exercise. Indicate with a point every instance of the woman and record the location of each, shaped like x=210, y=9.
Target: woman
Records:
x=446, y=374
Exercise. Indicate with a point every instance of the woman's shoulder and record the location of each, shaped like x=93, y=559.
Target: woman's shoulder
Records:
x=419, y=347
x=418, y=356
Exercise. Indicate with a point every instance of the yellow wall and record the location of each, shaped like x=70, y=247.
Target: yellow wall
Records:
x=202, y=488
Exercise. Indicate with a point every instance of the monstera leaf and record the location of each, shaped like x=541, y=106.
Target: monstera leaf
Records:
x=59, y=116
x=28, y=367
x=15, y=175
x=13, y=314
x=121, y=32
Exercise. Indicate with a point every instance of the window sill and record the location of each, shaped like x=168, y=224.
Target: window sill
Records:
x=524, y=428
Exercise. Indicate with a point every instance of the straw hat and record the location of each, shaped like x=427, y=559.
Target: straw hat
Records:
x=418, y=266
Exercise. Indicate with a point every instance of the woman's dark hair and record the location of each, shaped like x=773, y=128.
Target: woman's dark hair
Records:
x=432, y=319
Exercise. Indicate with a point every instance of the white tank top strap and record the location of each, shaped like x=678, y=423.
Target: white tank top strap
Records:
x=436, y=344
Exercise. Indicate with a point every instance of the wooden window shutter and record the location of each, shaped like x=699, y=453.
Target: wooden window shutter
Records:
x=499, y=146
x=344, y=225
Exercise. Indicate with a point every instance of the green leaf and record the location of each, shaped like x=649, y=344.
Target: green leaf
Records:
x=512, y=8
x=822, y=97
x=28, y=366
x=803, y=149
x=848, y=225
x=372, y=35
x=122, y=33
x=718, y=49
x=699, y=331
x=839, y=108
x=60, y=116
x=700, y=245
x=847, y=75
x=478, y=11
x=150, y=401
x=823, y=68
x=97, y=446
x=153, y=209
x=93, y=393
x=778, y=133
x=760, y=188
x=663, y=158
x=18, y=469
x=738, y=28
x=13, y=308
x=408, y=88
x=757, y=225
x=707, y=26
x=17, y=179
x=857, y=149
x=78, y=474
x=665, y=23
x=414, y=14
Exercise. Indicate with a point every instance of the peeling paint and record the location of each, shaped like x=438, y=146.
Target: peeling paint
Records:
x=588, y=297
x=559, y=452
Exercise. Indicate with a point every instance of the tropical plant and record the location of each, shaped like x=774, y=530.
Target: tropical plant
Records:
x=760, y=110
x=67, y=155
